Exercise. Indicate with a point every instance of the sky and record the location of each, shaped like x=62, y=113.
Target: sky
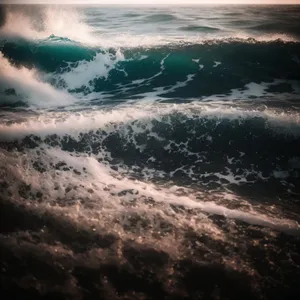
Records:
x=157, y=1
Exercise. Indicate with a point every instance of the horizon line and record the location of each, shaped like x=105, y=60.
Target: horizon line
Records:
x=154, y=2
x=150, y=4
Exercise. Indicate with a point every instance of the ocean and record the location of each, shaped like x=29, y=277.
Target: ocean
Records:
x=150, y=152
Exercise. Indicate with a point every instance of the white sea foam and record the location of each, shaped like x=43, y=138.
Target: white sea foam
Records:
x=87, y=71
x=44, y=21
x=258, y=90
x=106, y=184
x=28, y=87
x=216, y=63
x=133, y=41
x=73, y=123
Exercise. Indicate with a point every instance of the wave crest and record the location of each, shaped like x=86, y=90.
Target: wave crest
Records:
x=43, y=21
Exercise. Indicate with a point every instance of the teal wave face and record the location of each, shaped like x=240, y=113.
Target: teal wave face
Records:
x=171, y=71
x=47, y=55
